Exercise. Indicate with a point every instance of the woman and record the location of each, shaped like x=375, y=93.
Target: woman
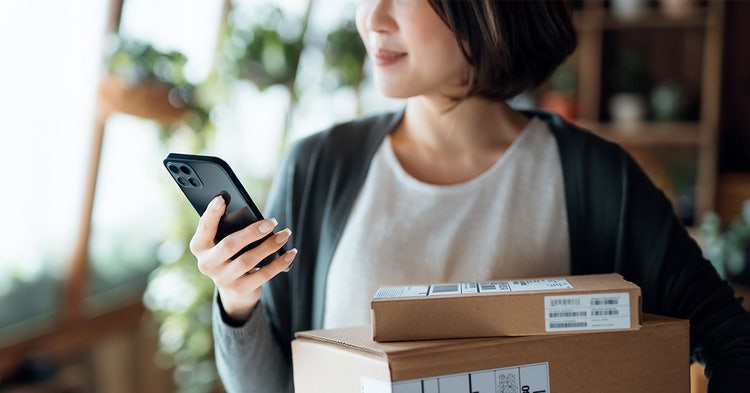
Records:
x=457, y=187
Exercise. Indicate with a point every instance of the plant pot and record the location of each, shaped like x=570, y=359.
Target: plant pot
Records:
x=668, y=102
x=627, y=109
x=561, y=103
x=627, y=10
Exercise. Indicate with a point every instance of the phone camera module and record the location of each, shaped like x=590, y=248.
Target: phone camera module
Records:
x=184, y=175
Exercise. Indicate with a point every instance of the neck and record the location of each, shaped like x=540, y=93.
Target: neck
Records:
x=440, y=142
x=470, y=125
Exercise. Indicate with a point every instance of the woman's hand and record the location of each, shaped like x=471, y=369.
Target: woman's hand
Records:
x=238, y=280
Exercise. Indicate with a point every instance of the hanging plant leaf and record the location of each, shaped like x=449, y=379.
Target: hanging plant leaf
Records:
x=345, y=55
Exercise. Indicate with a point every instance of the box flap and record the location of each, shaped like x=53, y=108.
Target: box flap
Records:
x=360, y=338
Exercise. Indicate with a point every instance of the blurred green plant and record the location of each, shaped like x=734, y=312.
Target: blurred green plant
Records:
x=135, y=61
x=345, y=55
x=266, y=53
x=728, y=246
x=629, y=73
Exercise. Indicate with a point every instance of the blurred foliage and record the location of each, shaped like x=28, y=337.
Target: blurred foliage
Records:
x=564, y=79
x=135, y=61
x=629, y=74
x=728, y=246
x=267, y=53
x=345, y=55
x=260, y=53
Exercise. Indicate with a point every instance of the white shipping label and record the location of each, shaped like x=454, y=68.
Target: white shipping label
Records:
x=393, y=292
x=587, y=312
x=539, y=285
x=473, y=288
x=520, y=379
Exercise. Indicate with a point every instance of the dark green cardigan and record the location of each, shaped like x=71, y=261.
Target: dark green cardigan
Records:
x=618, y=222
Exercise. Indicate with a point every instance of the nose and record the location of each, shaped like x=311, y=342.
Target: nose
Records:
x=378, y=16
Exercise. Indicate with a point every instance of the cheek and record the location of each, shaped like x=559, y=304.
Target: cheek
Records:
x=360, y=19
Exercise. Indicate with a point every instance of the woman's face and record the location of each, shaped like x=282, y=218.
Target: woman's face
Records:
x=413, y=52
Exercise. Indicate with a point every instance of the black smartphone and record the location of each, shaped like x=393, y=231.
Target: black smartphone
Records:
x=202, y=178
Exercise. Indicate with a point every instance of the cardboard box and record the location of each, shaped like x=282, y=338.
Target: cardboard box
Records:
x=506, y=308
x=653, y=359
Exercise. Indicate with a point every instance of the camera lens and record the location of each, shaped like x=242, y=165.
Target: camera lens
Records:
x=194, y=182
x=182, y=181
x=185, y=169
x=173, y=168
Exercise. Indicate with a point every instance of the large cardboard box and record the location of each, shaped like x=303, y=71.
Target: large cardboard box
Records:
x=506, y=308
x=652, y=359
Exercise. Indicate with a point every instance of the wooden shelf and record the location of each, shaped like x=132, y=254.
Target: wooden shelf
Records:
x=654, y=19
x=598, y=19
x=687, y=49
x=66, y=339
x=649, y=134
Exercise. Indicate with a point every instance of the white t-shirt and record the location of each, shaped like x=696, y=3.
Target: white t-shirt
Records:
x=508, y=222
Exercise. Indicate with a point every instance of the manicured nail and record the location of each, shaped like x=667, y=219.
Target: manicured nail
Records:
x=282, y=236
x=290, y=255
x=267, y=225
x=217, y=203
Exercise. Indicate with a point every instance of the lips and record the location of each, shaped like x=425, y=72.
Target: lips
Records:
x=384, y=57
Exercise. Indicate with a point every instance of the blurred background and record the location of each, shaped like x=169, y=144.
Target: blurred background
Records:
x=98, y=292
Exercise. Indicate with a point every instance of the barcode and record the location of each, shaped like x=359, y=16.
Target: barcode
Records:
x=500, y=286
x=607, y=312
x=445, y=288
x=604, y=302
x=567, y=314
x=507, y=383
x=567, y=325
x=389, y=292
x=565, y=302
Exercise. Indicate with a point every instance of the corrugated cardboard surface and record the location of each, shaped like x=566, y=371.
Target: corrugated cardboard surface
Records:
x=486, y=314
x=652, y=359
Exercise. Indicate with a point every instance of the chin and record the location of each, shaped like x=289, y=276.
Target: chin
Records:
x=392, y=90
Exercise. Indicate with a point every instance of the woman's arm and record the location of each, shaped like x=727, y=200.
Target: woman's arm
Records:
x=248, y=357
x=658, y=253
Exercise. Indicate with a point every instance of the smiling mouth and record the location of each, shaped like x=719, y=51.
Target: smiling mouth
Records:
x=385, y=57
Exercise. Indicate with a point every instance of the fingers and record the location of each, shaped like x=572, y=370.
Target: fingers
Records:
x=247, y=262
x=259, y=277
x=233, y=243
x=207, y=226
x=238, y=280
x=241, y=295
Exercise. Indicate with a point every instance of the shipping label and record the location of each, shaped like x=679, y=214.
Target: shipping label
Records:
x=473, y=288
x=529, y=378
x=587, y=312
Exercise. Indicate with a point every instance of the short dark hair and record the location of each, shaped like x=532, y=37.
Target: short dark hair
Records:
x=512, y=45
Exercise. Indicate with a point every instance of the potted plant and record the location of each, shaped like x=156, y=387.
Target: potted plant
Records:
x=561, y=98
x=630, y=83
x=728, y=247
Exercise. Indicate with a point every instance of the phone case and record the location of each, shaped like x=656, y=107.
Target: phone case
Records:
x=201, y=178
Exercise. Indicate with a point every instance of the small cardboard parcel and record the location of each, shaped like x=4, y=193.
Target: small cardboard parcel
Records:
x=652, y=359
x=506, y=308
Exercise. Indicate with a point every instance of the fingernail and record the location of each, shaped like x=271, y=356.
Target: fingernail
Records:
x=282, y=236
x=217, y=202
x=267, y=225
x=290, y=255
